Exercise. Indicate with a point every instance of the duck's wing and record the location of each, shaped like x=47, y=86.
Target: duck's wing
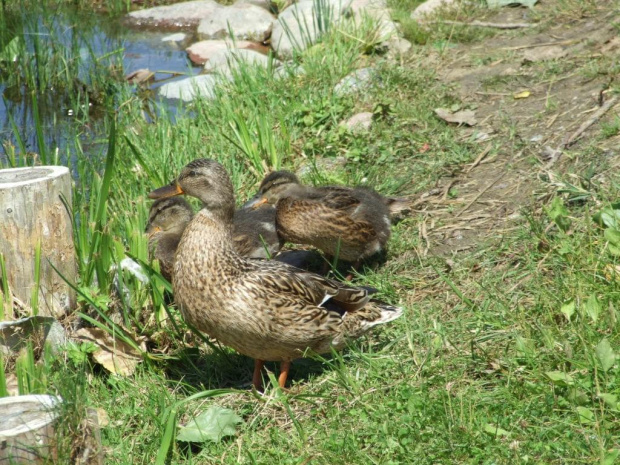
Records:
x=280, y=279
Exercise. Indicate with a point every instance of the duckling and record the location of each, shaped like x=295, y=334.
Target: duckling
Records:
x=348, y=223
x=167, y=221
x=267, y=310
x=255, y=233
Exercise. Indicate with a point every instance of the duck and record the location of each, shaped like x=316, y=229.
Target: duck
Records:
x=264, y=309
x=350, y=223
x=255, y=233
x=167, y=220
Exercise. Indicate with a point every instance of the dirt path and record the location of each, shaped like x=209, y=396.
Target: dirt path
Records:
x=532, y=92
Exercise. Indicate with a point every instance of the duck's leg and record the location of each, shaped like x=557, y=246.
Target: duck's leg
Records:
x=354, y=267
x=285, y=366
x=257, y=379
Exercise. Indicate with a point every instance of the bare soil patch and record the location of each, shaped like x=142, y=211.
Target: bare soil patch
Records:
x=531, y=91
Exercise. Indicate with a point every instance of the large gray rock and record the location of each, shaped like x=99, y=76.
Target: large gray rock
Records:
x=265, y=4
x=200, y=52
x=246, y=21
x=301, y=24
x=225, y=61
x=378, y=11
x=189, y=88
x=179, y=15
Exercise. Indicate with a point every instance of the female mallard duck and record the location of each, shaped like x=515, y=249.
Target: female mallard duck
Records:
x=254, y=231
x=266, y=310
x=167, y=221
x=348, y=223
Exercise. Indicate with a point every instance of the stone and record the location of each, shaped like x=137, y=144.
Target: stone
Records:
x=359, y=122
x=189, y=88
x=378, y=11
x=246, y=21
x=179, y=15
x=355, y=81
x=398, y=46
x=264, y=4
x=200, y=52
x=178, y=37
x=225, y=61
x=298, y=27
x=429, y=7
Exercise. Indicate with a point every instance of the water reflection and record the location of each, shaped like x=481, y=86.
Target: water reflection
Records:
x=85, y=47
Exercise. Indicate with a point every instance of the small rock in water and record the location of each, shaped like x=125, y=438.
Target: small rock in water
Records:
x=189, y=88
x=200, y=52
x=358, y=123
x=176, y=39
x=355, y=81
x=139, y=76
x=244, y=21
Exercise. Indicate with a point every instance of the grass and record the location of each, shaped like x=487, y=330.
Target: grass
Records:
x=506, y=353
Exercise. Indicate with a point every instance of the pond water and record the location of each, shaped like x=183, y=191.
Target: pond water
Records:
x=91, y=41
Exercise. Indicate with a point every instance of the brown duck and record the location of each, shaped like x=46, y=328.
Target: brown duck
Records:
x=167, y=221
x=344, y=222
x=266, y=310
x=255, y=233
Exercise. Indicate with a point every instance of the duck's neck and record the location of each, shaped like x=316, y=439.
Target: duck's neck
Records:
x=207, y=243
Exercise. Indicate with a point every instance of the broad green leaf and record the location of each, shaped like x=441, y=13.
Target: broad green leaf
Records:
x=559, y=214
x=614, y=250
x=213, y=424
x=495, y=430
x=559, y=378
x=593, y=308
x=585, y=415
x=501, y=3
x=611, y=400
x=610, y=457
x=609, y=216
x=613, y=236
x=605, y=354
x=577, y=396
x=568, y=309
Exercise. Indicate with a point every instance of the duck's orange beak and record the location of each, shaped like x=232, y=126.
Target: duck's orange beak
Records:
x=150, y=232
x=167, y=191
x=253, y=205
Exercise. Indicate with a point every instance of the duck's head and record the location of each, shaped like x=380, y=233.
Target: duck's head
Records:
x=169, y=215
x=208, y=181
x=276, y=185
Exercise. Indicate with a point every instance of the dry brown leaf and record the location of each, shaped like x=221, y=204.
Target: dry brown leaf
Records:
x=114, y=355
x=12, y=387
x=551, y=52
x=467, y=117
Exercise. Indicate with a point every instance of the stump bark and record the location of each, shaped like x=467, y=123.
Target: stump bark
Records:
x=27, y=434
x=32, y=213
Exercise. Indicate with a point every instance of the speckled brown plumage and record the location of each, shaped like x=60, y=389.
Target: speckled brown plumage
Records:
x=255, y=233
x=264, y=309
x=167, y=220
x=350, y=223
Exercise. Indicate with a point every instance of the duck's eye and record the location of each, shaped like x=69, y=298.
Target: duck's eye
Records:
x=193, y=173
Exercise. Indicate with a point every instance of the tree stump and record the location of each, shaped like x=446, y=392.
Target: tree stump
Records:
x=27, y=431
x=32, y=213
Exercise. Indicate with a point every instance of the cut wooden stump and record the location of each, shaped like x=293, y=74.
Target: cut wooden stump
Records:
x=27, y=433
x=32, y=213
